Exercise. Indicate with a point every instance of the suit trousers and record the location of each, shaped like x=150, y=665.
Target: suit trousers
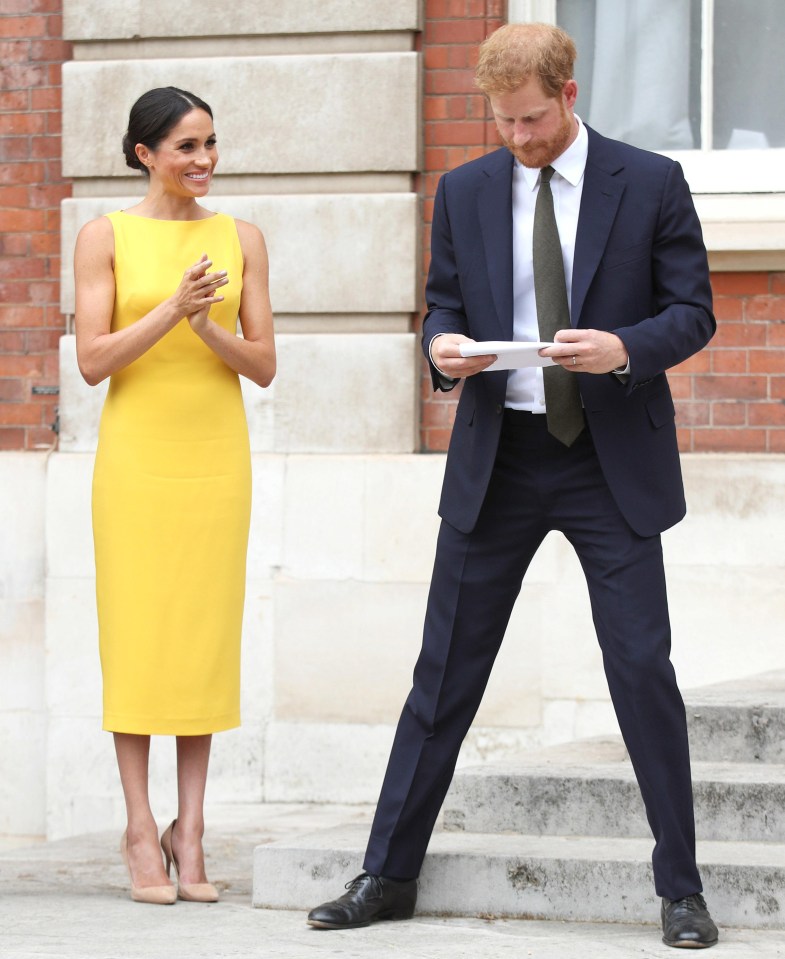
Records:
x=539, y=485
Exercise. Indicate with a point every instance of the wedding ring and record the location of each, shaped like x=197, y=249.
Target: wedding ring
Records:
x=573, y=361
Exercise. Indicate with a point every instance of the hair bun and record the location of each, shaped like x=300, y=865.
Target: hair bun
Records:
x=131, y=159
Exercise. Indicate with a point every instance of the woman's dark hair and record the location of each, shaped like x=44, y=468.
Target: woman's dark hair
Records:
x=153, y=115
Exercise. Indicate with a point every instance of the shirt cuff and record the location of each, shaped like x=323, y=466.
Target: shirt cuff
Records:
x=444, y=376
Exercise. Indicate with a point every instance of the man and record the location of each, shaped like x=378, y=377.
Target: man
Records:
x=531, y=453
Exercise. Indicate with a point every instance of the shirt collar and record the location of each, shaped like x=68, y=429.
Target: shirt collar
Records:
x=570, y=165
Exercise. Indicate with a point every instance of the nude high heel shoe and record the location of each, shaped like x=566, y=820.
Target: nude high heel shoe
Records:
x=190, y=892
x=155, y=895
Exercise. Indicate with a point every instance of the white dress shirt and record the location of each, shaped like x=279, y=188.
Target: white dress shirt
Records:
x=525, y=389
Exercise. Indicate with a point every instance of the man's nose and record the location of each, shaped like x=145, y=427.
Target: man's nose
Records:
x=520, y=136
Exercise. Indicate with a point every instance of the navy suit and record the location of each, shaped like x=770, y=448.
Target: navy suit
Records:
x=640, y=271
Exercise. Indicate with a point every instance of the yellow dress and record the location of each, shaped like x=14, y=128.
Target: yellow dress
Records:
x=172, y=497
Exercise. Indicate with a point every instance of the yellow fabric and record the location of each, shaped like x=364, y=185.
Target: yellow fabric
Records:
x=172, y=497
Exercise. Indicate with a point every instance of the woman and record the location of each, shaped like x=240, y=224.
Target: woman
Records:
x=172, y=481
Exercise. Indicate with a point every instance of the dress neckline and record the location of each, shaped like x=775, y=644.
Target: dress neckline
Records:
x=153, y=219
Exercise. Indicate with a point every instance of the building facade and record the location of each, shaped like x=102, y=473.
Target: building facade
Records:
x=335, y=120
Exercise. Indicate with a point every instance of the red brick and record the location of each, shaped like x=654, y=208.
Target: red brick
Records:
x=21, y=365
x=22, y=76
x=681, y=386
x=451, y=134
x=765, y=308
x=728, y=387
x=12, y=438
x=45, y=243
x=22, y=268
x=19, y=221
x=728, y=308
x=50, y=98
x=740, y=440
x=766, y=414
x=40, y=438
x=21, y=124
x=42, y=341
x=15, y=244
x=449, y=81
x=739, y=284
x=13, y=390
x=13, y=173
x=14, y=148
x=778, y=283
x=435, y=58
x=461, y=57
x=456, y=107
x=777, y=387
x=21, y=317
x=728, y=361
x=729, y=414
x=44, y=292
x=14, y=291
x=50, y=50
x=776, y=441
x=14, y=196
x=12, y=341
x=54, y=26
x=437, y=440
x=692, y=414
x=24, y=26
x=14, y=100
x=436, y=108
x=14, y=51
x=455, y=31
x=684, y=440
x=767, y=361
x=739, y=334
x=699, y=363
x=19, y=414
x=45, y=146
x=48, y=195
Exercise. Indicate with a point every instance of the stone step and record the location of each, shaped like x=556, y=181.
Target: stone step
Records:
x=589, y=788
x=738, y=721
x=533, y=877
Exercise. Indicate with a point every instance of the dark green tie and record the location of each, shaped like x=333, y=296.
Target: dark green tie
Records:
x=562, y=400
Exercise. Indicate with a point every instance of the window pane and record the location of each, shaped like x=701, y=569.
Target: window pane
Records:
x=749, y=38
x=638, y=68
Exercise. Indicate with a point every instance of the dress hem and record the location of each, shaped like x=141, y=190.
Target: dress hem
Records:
x=180, y=727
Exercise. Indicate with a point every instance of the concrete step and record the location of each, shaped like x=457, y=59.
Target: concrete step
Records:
x=547, y=877
x=589, y=789
x=738, y=721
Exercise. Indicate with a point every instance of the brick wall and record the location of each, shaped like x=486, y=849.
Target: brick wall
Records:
x=456, y=129
x=31, y=186
x=731, y=396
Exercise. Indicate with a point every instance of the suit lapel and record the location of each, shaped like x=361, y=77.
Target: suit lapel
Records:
x=494, y=199
x=602, y=192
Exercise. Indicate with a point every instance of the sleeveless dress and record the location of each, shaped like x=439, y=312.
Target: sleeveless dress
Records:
x=172, y=497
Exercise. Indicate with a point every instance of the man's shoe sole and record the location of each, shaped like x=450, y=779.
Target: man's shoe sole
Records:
x=687, y=944
x=324, y=924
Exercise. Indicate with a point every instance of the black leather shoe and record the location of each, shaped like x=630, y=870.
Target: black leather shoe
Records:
x=368, y=898
x=686, y=923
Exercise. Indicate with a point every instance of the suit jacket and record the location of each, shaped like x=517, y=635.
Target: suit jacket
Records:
x=640, y=271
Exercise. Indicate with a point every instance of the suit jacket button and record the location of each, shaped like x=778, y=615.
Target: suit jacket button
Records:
x=499, y=409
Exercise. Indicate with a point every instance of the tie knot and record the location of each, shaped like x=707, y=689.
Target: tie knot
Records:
x=546, y=173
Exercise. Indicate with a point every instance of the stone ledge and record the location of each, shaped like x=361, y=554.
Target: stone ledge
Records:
x=316, y=113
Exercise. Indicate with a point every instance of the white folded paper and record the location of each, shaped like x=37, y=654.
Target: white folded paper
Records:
x=511, y=354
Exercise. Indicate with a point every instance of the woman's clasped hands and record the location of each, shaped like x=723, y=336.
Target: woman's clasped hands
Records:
x=198, y=291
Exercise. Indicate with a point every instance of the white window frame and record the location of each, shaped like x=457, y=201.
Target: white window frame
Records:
x=743, y=214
